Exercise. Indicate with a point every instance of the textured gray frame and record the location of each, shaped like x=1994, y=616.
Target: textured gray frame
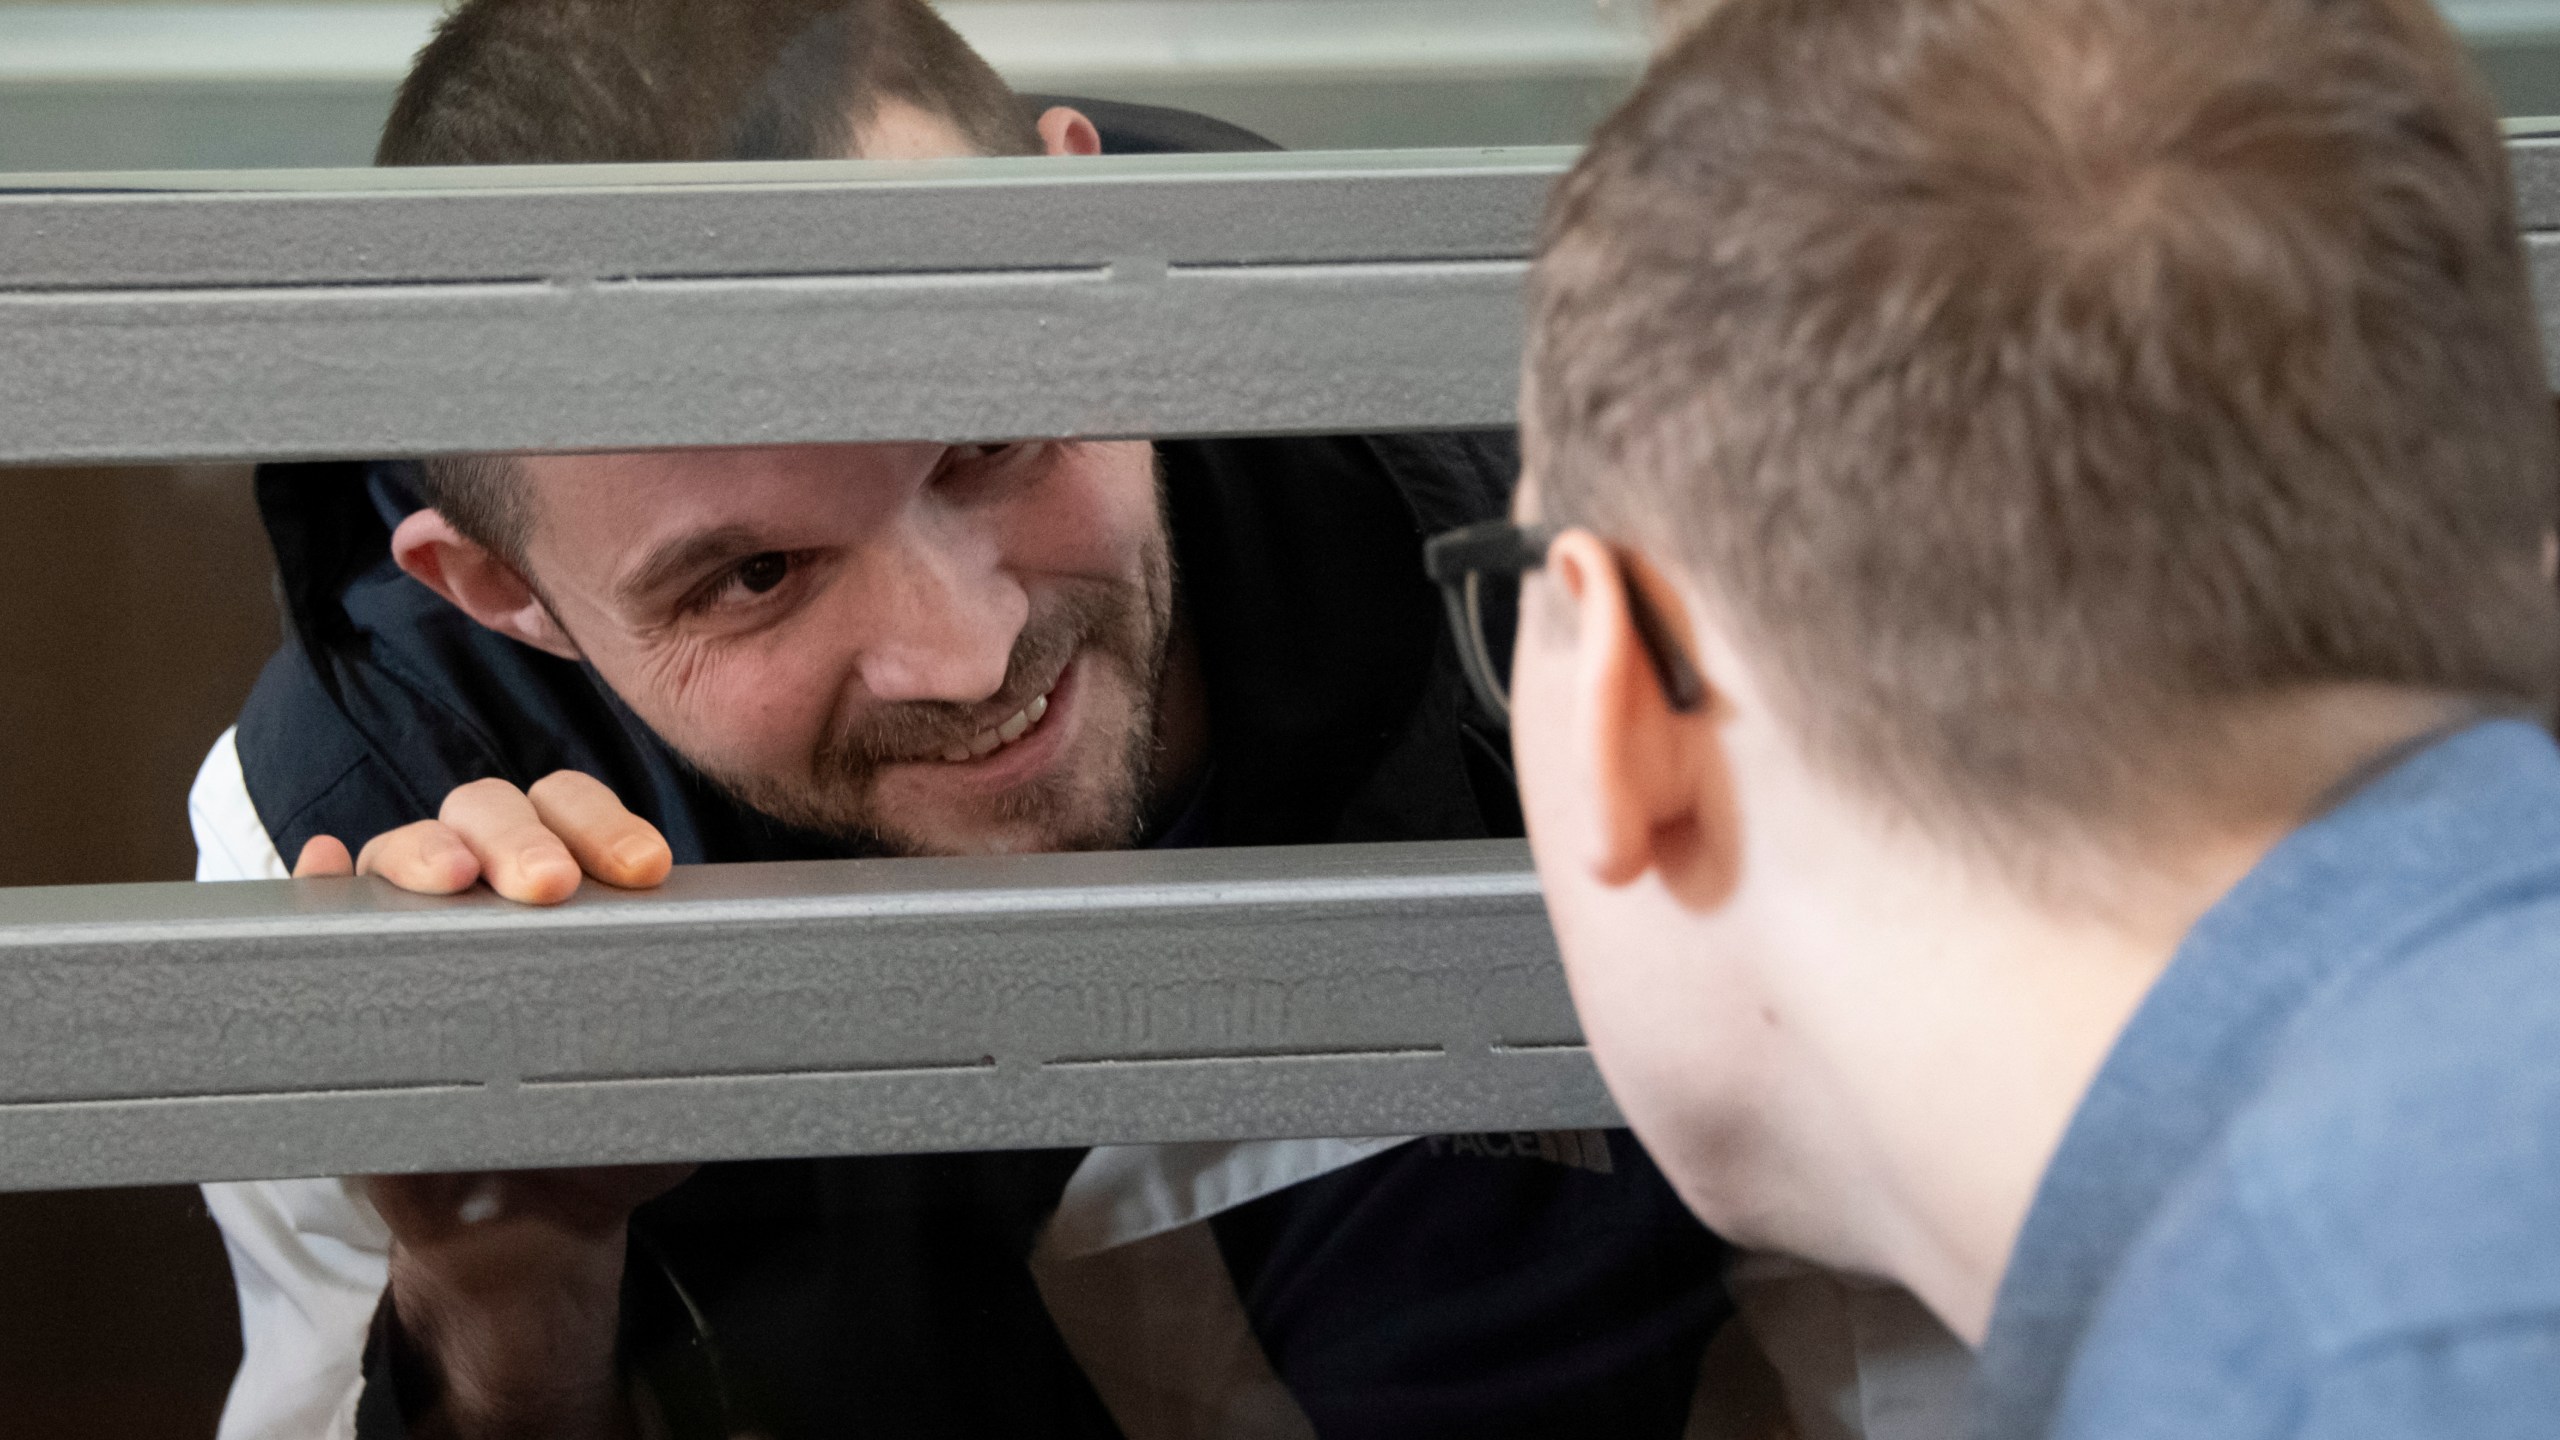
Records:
x=440, y=311
x=374, y=313
x=161, y=1033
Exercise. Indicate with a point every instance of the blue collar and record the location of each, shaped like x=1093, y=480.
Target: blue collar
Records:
x=2432, y=837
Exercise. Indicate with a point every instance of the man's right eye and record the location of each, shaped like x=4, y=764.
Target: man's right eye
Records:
x=741, y=583
x=758, y=574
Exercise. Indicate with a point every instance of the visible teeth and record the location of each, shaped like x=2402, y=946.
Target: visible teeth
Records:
x=987, y=741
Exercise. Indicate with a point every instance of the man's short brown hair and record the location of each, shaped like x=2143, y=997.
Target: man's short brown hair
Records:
x=2029, y=382
x=557, y=82
x=560, y=82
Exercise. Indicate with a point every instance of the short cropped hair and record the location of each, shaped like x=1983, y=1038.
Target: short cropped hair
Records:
x=2028, y=382
x=561, y=82
x=544, y=82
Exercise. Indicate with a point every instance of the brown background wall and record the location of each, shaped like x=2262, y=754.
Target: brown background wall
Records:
x=134, y=613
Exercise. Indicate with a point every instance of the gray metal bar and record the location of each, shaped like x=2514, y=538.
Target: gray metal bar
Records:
x=173, y=1033
x=263, y=230
x=2542, y=254
x=1292, y=294
x=381, y=370
x=2535, y=160
x=451, y=311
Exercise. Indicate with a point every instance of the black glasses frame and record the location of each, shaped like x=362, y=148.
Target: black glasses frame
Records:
x=1460, y=559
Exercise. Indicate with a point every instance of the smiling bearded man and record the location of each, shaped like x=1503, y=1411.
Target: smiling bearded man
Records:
x=899, y=649
x=802, y=652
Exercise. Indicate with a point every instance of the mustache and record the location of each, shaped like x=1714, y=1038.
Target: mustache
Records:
x=918, y=730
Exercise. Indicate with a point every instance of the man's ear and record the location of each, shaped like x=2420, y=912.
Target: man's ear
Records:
x=475, y=581
x=1658, y=780
x=1064, y=130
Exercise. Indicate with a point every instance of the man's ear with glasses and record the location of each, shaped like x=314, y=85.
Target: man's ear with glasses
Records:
x=1591, y=689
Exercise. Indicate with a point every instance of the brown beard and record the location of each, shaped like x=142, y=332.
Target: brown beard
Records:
x=1121, y=625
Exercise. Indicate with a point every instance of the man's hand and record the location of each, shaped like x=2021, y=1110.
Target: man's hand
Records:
x=530, y=845
x=508, y=1287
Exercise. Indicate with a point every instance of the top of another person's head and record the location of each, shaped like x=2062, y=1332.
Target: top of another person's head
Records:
x=2033, y=387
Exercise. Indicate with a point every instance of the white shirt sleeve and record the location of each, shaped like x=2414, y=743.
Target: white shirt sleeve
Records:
x=309, y=1257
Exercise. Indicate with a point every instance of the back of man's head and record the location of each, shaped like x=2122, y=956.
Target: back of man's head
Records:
x=563, y=82
x=2034, y=386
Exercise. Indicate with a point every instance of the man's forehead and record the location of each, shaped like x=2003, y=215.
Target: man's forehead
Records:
x=710, y=473
x=902, y=130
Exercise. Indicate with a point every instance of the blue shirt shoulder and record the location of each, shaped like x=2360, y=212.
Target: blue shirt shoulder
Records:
x=2315, y=1190
x=2371, y=1249
x=2403, y=1167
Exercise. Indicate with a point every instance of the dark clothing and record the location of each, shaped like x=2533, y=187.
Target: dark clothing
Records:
x=1435, y=1289
x=1465, y=1286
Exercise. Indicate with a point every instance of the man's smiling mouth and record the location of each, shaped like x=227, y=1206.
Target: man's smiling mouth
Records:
x=995, y=737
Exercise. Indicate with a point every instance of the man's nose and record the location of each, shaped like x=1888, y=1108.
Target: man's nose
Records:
x=935, y=622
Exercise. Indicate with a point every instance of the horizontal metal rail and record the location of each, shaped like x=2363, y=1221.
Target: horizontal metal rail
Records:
x=450, y=312
x=166, y=1033
x=278, y=229
x=152, y=318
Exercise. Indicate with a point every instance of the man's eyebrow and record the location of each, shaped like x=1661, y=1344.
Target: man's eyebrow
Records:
x=684, y=557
